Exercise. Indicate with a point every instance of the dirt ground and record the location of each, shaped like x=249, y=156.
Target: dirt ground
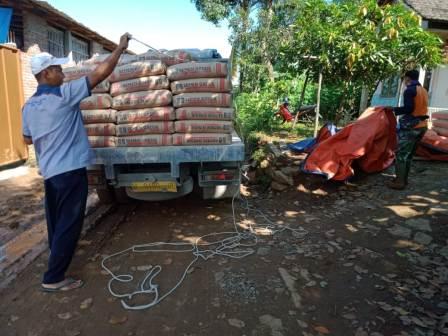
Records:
x=346, y=260
x=21, y=201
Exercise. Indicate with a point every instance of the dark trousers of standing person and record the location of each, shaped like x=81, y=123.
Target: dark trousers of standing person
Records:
x=408, y=140
x=65, y=204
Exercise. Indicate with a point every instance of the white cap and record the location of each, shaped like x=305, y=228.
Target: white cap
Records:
x=44, y=60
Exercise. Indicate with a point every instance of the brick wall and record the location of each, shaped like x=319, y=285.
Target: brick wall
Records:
x=35, y=41
x=29, y=82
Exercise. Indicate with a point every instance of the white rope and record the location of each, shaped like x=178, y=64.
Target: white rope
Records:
x=237, y=245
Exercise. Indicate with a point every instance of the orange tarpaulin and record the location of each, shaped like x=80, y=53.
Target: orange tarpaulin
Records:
x=371, y=141
x=433, y=147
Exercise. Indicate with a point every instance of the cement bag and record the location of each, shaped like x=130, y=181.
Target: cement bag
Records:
x=201, y=85
x=76, y=72
x=99, y=58
x=155, y=127
x=72, y=73
x=96, y=102
x=136, y=70
x=102, y=87
x=146, y=140
x=102, y=141
x=440, y=123
x=145, y=115
x=140, y=84
x=441, y=131
x=169, y=57
x=196, y=70
x=202, y=99
x=205, y=113
x=142, y=99
x=203, y=126
x=201, y=139
x=100, y=129
x=99, y=116
x=440, y=115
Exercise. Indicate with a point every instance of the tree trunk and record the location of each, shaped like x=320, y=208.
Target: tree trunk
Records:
x=244, y=13
x=340, y=109
x=264, y=44
x=364, y=99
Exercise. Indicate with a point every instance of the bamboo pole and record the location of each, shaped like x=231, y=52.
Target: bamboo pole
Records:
x=319, y=89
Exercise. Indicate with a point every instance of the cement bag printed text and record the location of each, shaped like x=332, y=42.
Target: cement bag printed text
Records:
x=203, y=126
x=205, y=113
x=201, y=85
x=100, y=129
x=136, y=70
x=140, y=84
x=155, y=127
x=96, y=102
x=180, y=139
x=146, y=140
x=145, y=115
x=203, y=99
x=197, y=70
x=99, y=116
x=167, y=57
x=102, y=141
x=142, y=99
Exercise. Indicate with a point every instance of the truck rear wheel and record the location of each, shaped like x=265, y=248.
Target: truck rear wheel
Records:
x=121, y=196
x=106, y=195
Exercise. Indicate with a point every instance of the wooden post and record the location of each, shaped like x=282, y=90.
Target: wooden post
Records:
x=302, y=95
x=319, y=89
x=364, y=99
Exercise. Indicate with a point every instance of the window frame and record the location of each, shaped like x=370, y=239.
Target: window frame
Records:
x=56, y=48
x=390, y=87
x=79, y=55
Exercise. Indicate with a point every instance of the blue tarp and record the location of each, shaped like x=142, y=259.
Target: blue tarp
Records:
x=308, y=143
x=5, y=20
x=303, y=145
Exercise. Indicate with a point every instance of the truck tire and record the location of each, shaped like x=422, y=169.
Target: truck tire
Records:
x=106, y=196
x=121, y=196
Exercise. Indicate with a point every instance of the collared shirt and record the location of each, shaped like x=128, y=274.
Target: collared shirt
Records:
x=52, y=118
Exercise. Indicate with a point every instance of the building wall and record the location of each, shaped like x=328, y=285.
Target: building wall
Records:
x=35, y=31
x=96, y=48
x=35, y=34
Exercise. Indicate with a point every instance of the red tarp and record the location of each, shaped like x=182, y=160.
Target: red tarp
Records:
x=433, y=147
x=371, y=141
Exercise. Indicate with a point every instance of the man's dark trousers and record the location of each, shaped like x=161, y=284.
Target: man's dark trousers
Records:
x=65, y=204
x=408, y=140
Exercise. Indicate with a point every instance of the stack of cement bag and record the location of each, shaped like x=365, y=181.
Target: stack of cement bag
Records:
x=98, y=116
x=202, y=103
x=134, y=106
x=141, y=96
x=440, y=123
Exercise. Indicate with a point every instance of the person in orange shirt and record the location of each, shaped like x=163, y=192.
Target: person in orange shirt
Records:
x=412, y=126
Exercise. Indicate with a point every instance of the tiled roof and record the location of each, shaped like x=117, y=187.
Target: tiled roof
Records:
x=430, y=9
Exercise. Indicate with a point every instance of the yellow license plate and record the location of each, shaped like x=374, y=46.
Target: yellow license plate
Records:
x=161, y=186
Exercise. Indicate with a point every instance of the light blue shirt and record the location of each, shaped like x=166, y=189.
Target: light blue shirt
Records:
x=53, y=120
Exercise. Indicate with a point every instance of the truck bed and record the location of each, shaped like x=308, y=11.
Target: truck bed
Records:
x=173, y=155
